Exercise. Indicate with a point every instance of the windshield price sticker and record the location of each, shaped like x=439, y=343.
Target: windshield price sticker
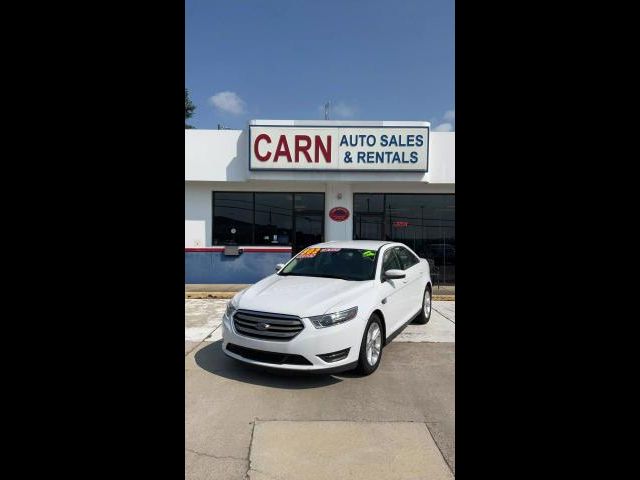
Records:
x=370, y=254
x=309, y=253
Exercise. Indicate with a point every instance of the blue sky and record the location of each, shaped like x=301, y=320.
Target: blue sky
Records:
x=283, y=59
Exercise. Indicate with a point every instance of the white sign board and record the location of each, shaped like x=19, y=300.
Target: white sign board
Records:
x=339, y=148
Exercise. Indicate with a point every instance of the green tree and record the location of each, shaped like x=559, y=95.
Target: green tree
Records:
x=188, y=108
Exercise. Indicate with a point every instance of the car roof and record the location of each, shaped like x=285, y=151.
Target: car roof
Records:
x=360, y=244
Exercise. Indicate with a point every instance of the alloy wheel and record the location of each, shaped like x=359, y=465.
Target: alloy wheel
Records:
x=374, y=344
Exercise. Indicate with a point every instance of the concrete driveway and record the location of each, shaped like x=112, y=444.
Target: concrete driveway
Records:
x=243, y=422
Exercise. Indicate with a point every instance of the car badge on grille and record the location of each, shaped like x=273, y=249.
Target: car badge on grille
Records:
x=262, y=326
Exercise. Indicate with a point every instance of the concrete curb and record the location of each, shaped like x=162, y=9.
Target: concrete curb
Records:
x=228, y=295
x=209, y=294
x=444, y=298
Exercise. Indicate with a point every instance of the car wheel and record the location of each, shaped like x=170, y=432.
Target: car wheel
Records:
x=425, y=313
x=371, y=347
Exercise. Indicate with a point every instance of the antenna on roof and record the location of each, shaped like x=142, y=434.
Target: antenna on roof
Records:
x=326, y=110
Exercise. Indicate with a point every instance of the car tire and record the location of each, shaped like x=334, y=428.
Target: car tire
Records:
x=425, y=312
x=368, y=362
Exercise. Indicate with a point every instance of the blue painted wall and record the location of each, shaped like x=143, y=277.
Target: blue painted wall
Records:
x=215, y=267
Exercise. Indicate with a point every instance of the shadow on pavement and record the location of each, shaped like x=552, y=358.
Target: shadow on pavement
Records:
x=213, y=360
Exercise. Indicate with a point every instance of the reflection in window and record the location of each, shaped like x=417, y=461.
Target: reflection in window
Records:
x=423, y=222
x=274, y=218
x=232, y=218
x=391, y=261
x=407, y=259
x=308, y=230
x=268, y=218
x=368, y=227
x=368, y=202
x=309, y=202
x=309, y=220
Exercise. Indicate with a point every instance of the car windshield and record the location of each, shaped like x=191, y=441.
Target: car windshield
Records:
x=343, y=263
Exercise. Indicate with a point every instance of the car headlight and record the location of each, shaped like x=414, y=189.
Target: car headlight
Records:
x=330, y=319
x=232, y=306
x=231, y=309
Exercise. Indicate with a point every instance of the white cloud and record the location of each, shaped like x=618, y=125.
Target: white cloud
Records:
x=228, y=102
x=447, y=123
x=339, y=110
x=343, y=110
x=444, y=127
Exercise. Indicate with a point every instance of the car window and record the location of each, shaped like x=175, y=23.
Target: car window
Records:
x=343, y=263
x=391, y=261
x=407, y=258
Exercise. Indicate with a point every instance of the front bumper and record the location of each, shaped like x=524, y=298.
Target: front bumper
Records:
x=309, y=343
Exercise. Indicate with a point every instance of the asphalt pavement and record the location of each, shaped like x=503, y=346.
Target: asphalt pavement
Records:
x=243, y=422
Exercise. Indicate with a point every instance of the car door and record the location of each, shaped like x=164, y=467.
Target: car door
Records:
x=415, y=286
x=395, y=297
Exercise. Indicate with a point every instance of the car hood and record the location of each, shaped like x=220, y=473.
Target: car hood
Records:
x=302, y=296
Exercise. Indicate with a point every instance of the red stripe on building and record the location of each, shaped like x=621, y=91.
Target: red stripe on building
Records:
x=266, y=250
x=244, y=249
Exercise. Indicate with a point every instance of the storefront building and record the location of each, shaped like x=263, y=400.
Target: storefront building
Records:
x=255, y=197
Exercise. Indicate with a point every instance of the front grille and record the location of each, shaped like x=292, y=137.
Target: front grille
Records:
x=267, y=326
x=268, y=357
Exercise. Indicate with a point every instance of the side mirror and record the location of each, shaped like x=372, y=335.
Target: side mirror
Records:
x=279, y=266
x=393, y=274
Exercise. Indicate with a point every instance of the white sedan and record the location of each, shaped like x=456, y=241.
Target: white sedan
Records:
x=331, y=308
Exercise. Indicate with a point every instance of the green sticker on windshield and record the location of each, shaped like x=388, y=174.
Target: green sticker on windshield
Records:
x=370, y=254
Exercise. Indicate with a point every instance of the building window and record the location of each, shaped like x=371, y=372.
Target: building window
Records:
x=274, y=218
x=232, y=218
x=368, y=203
x=423, y=222
x=268, y=218
x=308, y=220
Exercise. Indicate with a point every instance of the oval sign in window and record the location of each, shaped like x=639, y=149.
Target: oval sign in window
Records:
x=339, y=214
